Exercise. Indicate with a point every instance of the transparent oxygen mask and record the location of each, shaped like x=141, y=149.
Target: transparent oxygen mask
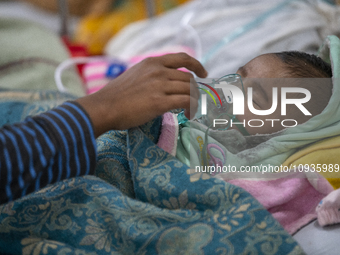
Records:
x=217, y=102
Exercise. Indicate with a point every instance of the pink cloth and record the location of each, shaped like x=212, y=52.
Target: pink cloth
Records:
x=291, y=201
x=94, y=76
x=169, y=133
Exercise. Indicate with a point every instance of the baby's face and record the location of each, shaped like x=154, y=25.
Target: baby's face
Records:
x=260, y=74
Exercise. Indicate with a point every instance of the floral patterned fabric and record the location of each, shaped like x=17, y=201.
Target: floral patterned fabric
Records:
x=142, y=201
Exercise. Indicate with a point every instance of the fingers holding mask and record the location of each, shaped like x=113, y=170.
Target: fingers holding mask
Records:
x=187, y=102
x=180, y=60
x=183, y=82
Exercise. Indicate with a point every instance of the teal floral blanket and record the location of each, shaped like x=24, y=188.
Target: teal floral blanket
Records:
x=141, y=201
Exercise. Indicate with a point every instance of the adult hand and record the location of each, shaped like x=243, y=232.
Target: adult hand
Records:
x=145, y=91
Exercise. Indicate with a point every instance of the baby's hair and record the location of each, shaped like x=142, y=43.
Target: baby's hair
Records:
x=304, y=65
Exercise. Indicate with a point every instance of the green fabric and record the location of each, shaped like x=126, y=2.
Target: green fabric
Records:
x=231, y=148
x=29, y=57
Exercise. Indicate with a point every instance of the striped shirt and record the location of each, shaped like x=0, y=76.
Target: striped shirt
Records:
x=45, y=149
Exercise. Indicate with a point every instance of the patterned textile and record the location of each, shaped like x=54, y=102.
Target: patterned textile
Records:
x=149, y=203
x=16, y=105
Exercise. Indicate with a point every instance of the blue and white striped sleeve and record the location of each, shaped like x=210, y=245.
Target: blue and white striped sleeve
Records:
x=45, y=149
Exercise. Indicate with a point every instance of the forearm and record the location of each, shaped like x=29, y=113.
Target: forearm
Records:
x=44, y=149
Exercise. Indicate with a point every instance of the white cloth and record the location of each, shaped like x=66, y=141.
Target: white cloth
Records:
x=328, y=210
x=200, y=24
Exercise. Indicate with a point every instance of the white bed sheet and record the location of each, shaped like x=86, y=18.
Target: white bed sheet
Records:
x=317, y=240
x=301, y=25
